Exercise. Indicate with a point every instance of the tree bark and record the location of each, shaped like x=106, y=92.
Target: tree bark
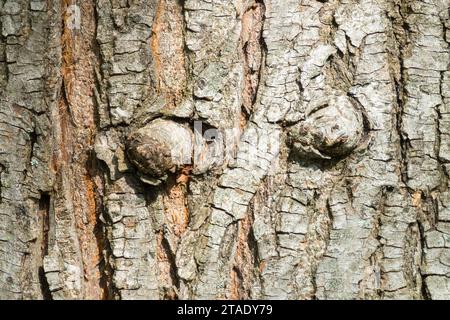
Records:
x=235, y=149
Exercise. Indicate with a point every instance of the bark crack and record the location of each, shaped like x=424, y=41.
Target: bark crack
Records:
x=44, y=213
x=424, y=288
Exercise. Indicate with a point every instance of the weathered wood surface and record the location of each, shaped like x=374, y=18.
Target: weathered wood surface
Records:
x=238, y=149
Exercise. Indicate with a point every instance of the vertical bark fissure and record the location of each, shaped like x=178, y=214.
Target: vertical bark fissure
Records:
x=245, y=263
x=33, y=140
x=2, y=169
x=168, y=51
x=45, y=288
x=327, y=238
x=441, y=167
x=243, y=266
x=424, y=288
x=74, y=127
x=96, y=169
x=401, y=35
x=253, y=52
x=44, y=206
x=171, y=68
x=110, y=291
x=166, y=253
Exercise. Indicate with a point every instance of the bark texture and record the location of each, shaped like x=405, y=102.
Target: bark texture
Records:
x=235, y=149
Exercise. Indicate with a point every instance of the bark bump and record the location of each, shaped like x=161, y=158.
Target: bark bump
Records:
x=333, y=128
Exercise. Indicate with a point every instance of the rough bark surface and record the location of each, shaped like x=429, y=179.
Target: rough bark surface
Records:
x=235, y=149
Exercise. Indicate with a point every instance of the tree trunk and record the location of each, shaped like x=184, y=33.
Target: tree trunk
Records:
x=236, y=149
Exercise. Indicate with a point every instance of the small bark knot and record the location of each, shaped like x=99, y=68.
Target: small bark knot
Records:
x=333, y=128
x=160, y=147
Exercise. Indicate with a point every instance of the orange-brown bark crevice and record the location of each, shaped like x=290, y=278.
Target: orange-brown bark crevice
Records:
x=242, y=273
x=167, y=45
x=175, y=203
x=74, y=135
x=177, y=220
x=251, y=37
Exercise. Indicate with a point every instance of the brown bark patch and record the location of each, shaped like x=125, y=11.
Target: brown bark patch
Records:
x=175, y=203
x=251, y=42
x=242, y=273
x=167, y=46
x=74, y=136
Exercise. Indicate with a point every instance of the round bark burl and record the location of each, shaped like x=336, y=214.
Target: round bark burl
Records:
x=332, y=129
x=160, y=147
